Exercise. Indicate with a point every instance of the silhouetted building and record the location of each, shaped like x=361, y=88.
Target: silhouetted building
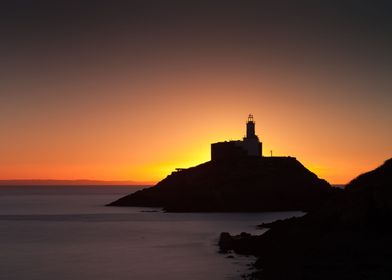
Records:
x=249, y=146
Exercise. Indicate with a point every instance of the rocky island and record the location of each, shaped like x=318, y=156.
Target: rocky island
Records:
x=247, y=184
x=238, y=178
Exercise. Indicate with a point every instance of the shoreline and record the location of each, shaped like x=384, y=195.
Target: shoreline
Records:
x=346, y=238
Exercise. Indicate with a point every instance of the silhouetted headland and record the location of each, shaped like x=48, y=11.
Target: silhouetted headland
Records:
x=347, y=238
x=246, y=184
x=238, y=178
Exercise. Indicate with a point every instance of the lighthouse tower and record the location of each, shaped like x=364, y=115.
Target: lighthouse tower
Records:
x=251, y=142
x=250, y=146
x=250, y=127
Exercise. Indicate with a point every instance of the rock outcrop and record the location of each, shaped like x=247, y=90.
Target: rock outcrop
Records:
x=244, y=184
x=348, y=238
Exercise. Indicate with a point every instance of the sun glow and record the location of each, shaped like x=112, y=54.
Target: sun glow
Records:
x=140, y=125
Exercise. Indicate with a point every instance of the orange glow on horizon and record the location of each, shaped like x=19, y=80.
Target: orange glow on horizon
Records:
x=161, y=121
x=152, y=171
x=112, y=91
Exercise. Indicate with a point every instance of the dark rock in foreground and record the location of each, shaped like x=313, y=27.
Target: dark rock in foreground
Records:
x=245, y=184
x=350, y=238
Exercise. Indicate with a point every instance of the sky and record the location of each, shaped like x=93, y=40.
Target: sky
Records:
x=131, y=90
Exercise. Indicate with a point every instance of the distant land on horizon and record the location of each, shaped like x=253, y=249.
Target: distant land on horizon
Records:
x=79, y=182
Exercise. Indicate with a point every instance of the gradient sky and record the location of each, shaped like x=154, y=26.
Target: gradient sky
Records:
x=129, y=91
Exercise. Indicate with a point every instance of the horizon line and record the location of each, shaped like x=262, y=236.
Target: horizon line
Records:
x=66, y=182
x=85, y=182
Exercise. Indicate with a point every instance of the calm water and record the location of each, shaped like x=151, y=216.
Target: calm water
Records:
x=67, y=233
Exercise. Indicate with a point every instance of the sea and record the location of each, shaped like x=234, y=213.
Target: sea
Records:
x=67, y=232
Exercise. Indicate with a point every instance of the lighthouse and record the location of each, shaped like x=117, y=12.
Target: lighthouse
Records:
x=250, y=127
x=249, y=146
x=251, y=142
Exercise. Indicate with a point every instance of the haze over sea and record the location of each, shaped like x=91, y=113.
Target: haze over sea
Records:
x=67, y=233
